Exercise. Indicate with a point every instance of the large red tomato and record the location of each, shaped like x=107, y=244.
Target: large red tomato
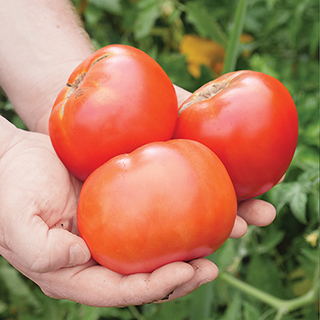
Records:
x=164, y=202
x=250, y=121
x=116, y=100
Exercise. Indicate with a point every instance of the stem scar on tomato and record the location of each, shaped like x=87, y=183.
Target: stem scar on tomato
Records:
x=78, y=80
x=76, y=83
x=101, y=58
x=207, y=92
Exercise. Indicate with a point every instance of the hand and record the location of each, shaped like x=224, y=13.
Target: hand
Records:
x=38, y=196
x=39, y=236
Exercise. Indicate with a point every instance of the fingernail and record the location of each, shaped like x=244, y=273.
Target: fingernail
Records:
x=77, y=255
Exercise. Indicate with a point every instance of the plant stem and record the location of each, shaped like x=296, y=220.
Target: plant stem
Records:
x=202, y=302
x=279, y=315
x=246, y=288
x=135, y=312
x=283, y=306
x=233, y=43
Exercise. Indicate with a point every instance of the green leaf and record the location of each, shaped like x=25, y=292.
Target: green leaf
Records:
x=295, y=195
x=233, y=311
x=20, y=294
x=176, y=68
x=271, y=239
x=201, y=302
x=93, y=15
x=306, y=158
x=3, y=307
x=112, y=6
x=264, y=275
x=311, y=134
x=111, y=313
x=204, y=22
x=176, y=309
x=224, y=257
x=298, y=202
x=148, y=12
x=264, y=63
x=313, y=205
x=89, y=313
x=314, y=38
x=250, y=311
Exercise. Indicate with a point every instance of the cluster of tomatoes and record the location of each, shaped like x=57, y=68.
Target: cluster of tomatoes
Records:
x=161, y=183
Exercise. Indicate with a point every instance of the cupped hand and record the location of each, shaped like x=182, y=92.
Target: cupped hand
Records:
x=38, y=235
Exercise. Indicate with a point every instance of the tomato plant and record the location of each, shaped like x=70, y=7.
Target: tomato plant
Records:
x=164, y=202
x=116, y=100
x=250, y=121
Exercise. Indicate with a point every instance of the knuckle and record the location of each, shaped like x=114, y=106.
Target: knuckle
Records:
x=41, y=264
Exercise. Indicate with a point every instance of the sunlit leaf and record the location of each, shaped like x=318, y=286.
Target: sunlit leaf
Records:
x=233, y=311
x=112, y=6
x=149, y=12
x=250, y=311
x=204, y=22
x=262, y=273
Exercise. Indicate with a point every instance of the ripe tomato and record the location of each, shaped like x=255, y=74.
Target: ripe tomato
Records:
x=250, y=122
x=116, y=100
x=164, y=202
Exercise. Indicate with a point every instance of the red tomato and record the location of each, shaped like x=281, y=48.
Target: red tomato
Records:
x=164, y=202
x=250, y=122
x=116, y=100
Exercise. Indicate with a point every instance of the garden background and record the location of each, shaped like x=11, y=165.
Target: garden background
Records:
x=272, y=272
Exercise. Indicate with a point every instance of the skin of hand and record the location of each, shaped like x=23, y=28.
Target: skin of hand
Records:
x=41, y=44
x=38, y=233
x=38, y=196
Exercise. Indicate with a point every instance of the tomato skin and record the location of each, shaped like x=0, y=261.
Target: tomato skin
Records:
x=116, y=100
x=251, y=124
x=164, y=202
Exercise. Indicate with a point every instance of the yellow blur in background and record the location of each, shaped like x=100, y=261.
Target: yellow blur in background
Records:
x=200, y=51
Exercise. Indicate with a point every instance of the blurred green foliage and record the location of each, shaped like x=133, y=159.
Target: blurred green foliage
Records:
x=278, y=264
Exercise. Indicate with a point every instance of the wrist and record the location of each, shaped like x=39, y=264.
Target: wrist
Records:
x=36, y=108
x=49, y=42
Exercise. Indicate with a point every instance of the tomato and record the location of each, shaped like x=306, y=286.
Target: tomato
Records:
x=164, y=202
x=116, y=100
x=249, y=120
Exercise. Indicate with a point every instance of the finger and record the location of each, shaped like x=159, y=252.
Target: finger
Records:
x=282, y=179
x=48, y=249
x=94, y=285
x=60, y=249
x=204, y=271
x=240, y=228
x=257, y=212
x=182, y=94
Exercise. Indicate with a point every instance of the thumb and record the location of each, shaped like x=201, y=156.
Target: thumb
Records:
x=59, y=249
x=37, y=248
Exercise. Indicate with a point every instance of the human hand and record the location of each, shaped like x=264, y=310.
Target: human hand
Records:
x=39, y=237
x=38, y=197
